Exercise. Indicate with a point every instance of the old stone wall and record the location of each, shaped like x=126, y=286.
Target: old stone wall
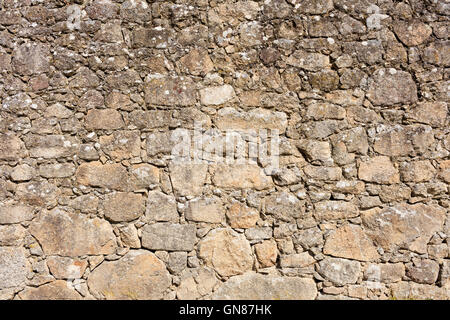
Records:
x=353, y=92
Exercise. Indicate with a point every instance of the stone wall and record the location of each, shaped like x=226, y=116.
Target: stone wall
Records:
x=92, y=205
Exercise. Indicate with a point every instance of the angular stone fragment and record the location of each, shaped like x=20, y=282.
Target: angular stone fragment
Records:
x=170, y=91
x=106, y=119
x=66, y=268
x=226, y=251
x=378, y=169
x=259, y=287
x=308, y=61
x=242, y=217
x=14, y=267
x=56, y=290
x=143, y=176
x=12, y=235
x=85, y=203
x=319, y=111
x=312, y=6
x=403, y=226
x=15, y=213
x=129, y=236
x=138, y=275
x=188, y=179
x=350, y=242
x=284, y=206
x=323, y=173
x=334, y=210
x=339, y=271
x=197, y=62
x=31, y=58
x=205, y=210
x=121, y=144
x=433, y=113
x=444, y=171
x=266, y=253
x=196, y=283
x=22, y=172
x=123, y=206
x=157, y=37
x=414, y=291
x=96, y=174
x=39, y=193
x=57, y=170
x=70, y=234
x=256, y=119
x=161, y=207
x=52, y=146
x=241, y=177
x=169, y=236
x=412, y=33
x=423, y=271
x=417, y=171
x=216, y=95
x=11, y=147
x=390, y=86
x=297, y=260
x=151, y=119
x=384, y=272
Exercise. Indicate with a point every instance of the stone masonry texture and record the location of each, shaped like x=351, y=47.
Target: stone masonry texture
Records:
x=93, y=207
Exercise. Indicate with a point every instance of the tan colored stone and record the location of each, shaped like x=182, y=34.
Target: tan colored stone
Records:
x=161, y=207
x=284, y=206
x=308, y=61
x=414, y=291
x=423, y=271
x=66, y=268
x=22, y=172
x=170, y=91
x=56, y=290
x=143, y=176
x=205, y=210
x=52, y=146
x=378, y=169
x=384, y=272
x=413, y=32
x=259, y=287
x=323, y=173
x=96, y=174
x=242, y=217
x=432, y=113
x=226, y=251
x=123, y=206
x=57, y=170
x=196, y=62
x=350, y=242
x=14, y=267
x=58, y=231
x=196, y=283
x=15, y=213
x=169, y=236
x=103, y=119
x=11, y=147
x=138, y=275
x=39, y=193
x=444, y=171
x=217, y=95
x=188, y=179
x=335, y=210
x=339, y=271
x=417, y=171
x=403, y=226
x=12, y=235
x=121, y=145
x=297, y=260
x=240, y=177
x=266, y=253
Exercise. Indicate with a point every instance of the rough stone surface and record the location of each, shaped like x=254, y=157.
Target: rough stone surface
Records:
x=123, y=206
x=14, y=267
x=168, y=236
x=339, y=271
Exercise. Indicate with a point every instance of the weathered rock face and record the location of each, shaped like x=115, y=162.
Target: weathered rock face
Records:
x=227, y=252
x=138, y=275
x=276, y=149
x=258, y=287
x=57, y=231
x=404, y=226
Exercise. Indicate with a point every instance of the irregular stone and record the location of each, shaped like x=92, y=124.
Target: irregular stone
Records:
x=266, y=253
x=188, y=179
x=242, y=217
x=196, y=283
x=308, y=238
x=145, y=277
x=161, y=207
x=205, y=210
x=31, y=58
x=323, y=173
x=403, y=226
x=177, y=261
x=157, y=37
x=169, y=236
x=197, y=63
x=256, y=119
x=384, y=272
x=129, y=236
x=38, y=193
x=11, y=147
x=390, y=86
x=432, y=113
x=22, y=172
x=297, y=260
x=56, y=290
x=350, y=242
x=85, y=203
x=143, y=176
x=96, y=174
x=378, y=169
x=57, y=170
x=284, y=206
x=310, y=61
x=258, y=233
x=121, y=144
x=315, y=150
x=52, y=146
x=106, y=119
x=412, y=33
x=335, y=210
x=226, y=251
x=16, y=213
x=240, y=177
x=12, y=235
x=423, y=271
x=14, y=267
x=217, y=95
x=313, y=6
x=123, y=206
x=57, y=231
x=417, y=171
x=414, y=291
x=259, y=287
x=320, y=111
x=170, y=91
x=339, y=271
x=66, y=268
